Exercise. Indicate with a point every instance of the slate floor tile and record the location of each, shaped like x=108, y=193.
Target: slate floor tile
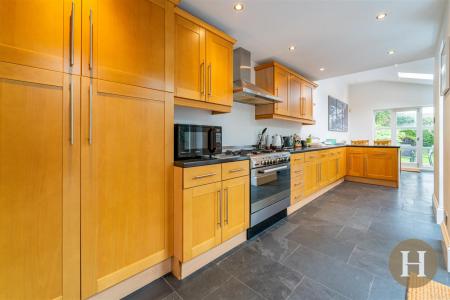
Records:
x=269, y=278
x=320, y=226
x=199, y=284
x=233, y=290
x=345, y=279
x=386, y=288
x=157, y=290
x=326, y=245
x=273, y=246
x=312, y=290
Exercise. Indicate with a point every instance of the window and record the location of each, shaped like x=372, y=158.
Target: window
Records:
x=383, y=125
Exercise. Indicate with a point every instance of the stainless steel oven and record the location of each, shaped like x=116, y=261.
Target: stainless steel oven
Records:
x=270, y=187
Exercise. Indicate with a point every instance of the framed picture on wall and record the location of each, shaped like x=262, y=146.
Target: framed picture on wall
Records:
x=444, y=65
x=337, y=115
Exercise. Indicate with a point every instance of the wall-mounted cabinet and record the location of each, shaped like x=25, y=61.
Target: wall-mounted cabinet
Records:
x=295, y=91
x=203, y=65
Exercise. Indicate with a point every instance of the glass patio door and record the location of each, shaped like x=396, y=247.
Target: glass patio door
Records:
x=406, y=133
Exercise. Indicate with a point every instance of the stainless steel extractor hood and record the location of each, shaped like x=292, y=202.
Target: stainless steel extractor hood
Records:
x=245, y=91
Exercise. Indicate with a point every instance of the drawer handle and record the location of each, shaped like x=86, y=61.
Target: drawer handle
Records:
x=236, y=170
x=297, y=184
x=298, y=172
x=205, y=175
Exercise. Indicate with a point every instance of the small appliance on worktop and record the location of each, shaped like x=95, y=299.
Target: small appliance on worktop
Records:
x=196, y=141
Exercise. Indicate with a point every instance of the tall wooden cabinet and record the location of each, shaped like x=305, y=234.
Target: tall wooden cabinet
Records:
x=125, y=181
x=295, y=92
x=39, y=183
x=203, y=65
x=41, y=34
x=85, y=162
x=125, y=43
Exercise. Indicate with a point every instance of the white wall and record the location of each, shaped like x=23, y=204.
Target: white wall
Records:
x=240, y=127
x=367, y=97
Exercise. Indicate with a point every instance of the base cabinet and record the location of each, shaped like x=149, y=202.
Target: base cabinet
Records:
x=207, y=209
x=374, y=163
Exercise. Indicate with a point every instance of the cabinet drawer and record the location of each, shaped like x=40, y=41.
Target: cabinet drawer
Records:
x=359, y=150
x=297, y=159
x=235, y=169
x=312, y=156
x=201, y=175
x=297, y=172
x=382, y=151
x=296, y=194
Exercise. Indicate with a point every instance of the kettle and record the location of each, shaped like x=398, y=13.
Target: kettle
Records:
x=276, y=141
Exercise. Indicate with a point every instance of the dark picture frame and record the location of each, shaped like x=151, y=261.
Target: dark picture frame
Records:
x=337, y=115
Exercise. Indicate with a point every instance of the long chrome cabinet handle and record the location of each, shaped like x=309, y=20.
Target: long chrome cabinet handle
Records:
x=236, y=170
x=210, y=80
x=202, y=78
x=219, y=207
x=71, y=111
x=226, y=207
x=72, y=34
x=204, y=175
x=91, y=40
x=90, y=112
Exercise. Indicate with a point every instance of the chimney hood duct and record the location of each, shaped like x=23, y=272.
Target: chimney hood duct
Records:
x=243, y=90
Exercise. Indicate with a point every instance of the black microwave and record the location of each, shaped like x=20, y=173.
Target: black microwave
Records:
x=194, y=141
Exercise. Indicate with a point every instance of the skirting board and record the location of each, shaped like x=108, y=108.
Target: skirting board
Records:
x=437, y=210
x=293, y=208
x=136, y=282
x=182, y=270
x=445, y=245
x=387, y=183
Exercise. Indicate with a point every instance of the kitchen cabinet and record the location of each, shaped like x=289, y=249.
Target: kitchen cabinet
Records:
x=295, y=105
x=381, y=164
x=311, y=178
x=211, y=206
x=41, y=34
x=236, y=201
x=189, y=60
x=295, y=91
x=203, y=65
x=376, y=165
x=126, y=43
x=341, y=163
x=39, y=183
x=297, y=177
x=126, y=157
x=307, y=101
x=201, y=219
x=356, y=162
x=281, y=78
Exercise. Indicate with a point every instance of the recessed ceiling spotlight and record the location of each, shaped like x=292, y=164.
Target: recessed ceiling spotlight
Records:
x=391, y=52
x=291, y=48
x=381, y=16
x=322, y=69
x=238, y=7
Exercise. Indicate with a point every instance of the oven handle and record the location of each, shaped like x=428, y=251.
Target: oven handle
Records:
x=273, y=169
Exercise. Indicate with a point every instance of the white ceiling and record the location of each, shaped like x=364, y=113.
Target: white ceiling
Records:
x=342, y=36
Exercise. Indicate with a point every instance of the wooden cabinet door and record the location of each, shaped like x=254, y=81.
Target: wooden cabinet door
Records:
x=39, y=184
x=41, y=34
x=190, y=69
x=235, y=206
x=294, y=102
x=307, y=101
x=382, y=164
x=311, y=178
x=219, y=70
x=332, y=169
x=282, y=91
x=356, y=162
x=125, y=42
x=342, y=166
x=202, y=209
x=125, y=160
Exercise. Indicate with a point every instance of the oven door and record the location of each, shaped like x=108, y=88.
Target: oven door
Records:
x=270, y=185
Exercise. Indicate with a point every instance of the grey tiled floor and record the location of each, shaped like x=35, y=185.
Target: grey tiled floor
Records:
x=337, y=247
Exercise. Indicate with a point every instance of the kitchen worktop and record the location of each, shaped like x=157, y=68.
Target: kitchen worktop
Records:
x=197, y=162
x=325, y=147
